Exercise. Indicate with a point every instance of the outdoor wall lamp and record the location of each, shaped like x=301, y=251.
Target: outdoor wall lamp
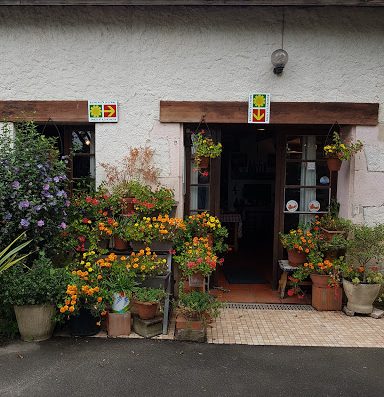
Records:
x=279, y=59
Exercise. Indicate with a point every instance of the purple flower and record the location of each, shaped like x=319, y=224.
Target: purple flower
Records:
x=46, y=186
x=16, y=185
x=63, y=225
x=24, y=223
x=56, y=179
x=37, y=208
x=67, y=203
x=7, y=216
x=23, y=204
x=61, y=193
x=40, y=223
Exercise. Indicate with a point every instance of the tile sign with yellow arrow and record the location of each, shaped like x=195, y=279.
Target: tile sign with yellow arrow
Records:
x=259, y=108
x=102, y=111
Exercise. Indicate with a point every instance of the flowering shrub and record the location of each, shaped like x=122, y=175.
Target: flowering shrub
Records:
x=205, y=225
x=339, y=149
x=160, y=200
x=362, y=274
x=197, y=257
x=33, y=184
x=160, y=228
x=146, y=263
x=300, y=239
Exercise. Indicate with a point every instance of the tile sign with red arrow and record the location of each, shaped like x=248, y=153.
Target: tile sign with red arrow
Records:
x=259, y=108
x=102, y=111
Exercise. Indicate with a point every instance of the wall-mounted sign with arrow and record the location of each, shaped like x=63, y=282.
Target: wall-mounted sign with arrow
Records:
x=259, y=108
x=102, y=111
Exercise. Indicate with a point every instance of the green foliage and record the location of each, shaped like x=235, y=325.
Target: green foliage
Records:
x=333, y=223
x=342, y=150
x=198, y=305
x=120, y=280
x=150, y=295
x=205, y=147
x=40, y=284
x=9, y=255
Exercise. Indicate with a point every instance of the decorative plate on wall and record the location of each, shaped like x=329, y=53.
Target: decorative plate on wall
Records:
x=314, y=206
x=292, y=206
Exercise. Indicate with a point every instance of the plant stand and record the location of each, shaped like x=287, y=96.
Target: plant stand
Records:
x=148, y=328
x=287, y=269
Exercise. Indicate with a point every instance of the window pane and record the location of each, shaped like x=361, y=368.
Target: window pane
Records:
x=81, y=166
x=199, y=198
x=82, y=141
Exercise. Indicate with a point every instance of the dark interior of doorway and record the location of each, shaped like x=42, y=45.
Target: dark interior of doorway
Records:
x=247, y=198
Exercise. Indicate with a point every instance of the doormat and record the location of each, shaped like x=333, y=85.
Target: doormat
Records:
x=242, y=275
x=267, y=306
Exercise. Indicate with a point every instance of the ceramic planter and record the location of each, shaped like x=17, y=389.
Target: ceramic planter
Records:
x=334, y=164
x=146, y=310
x=119, y=324
x=296, y=258
x=35, y=322
x=84, y=324
x=361, y=296
x=324, y=296
x=120, y=303
x=120, y=245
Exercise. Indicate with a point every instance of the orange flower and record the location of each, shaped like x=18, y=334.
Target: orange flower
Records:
x=99, y=299
x=71, y=309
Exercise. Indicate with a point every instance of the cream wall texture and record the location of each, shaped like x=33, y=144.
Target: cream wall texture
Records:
x=141, y=55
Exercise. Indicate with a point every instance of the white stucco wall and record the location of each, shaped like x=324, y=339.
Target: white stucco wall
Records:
x=139, y=56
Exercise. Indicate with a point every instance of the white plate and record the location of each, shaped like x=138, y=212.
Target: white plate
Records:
x=314, y=206
x=292, y=206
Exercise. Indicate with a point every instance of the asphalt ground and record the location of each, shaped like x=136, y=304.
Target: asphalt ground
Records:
x=134, y=367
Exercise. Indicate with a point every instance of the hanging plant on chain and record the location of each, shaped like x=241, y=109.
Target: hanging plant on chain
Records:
x=204, y=149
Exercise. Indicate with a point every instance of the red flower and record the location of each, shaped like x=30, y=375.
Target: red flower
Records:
x=95, y=202
x=81, y=239
x=221, y=261
x=290, y=292
x=205, y=173
x=85, y=220
x=88, y=199
x=172, y=252
x=300, y=296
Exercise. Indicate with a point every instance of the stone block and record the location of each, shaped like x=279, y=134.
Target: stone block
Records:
x=377, y=313
x=148, y=328
x=119, y=324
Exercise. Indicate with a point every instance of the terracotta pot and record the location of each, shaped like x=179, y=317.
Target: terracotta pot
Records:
x=104, y=243
x=127, y=205
x=334, y=164
x=210, y=239
x=296, y=258
x=204, y=162
x=330, y=234
x=120, y=245
x=146, y=310
x=187, y=288
x=35, y=322
x=324, y=296
x=119, y=324
x=361, y=296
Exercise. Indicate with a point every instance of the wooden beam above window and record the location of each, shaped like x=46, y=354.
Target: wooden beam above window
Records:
x=306, y=3
x=281, y=112
x=42, y=111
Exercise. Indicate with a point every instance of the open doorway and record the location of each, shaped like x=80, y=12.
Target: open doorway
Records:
x=247, y=198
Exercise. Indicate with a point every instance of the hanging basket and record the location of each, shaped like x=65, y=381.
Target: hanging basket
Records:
x=204, y=162
x=334, y=164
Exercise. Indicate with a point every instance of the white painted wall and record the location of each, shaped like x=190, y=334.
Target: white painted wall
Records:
x=142, y=55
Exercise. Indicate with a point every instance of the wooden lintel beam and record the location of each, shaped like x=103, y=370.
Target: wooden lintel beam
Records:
x=41, y=111
x=306, y=3
x=281, y=112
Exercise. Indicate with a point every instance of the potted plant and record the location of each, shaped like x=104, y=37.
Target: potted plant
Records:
x=157, y=232
x=332, y=225
x=145, y=264
x=325, y=276
x=121, y=234
x=132, y=176
x=194, y=311
x=34, y=292
x=204, y=149
x=147, y=301
x=86, y=297
x=196, y=261
x=338, y=151
x=120, y=283
x=362, y=278
x=298, y=243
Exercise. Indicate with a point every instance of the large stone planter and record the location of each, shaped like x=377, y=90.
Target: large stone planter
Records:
x=361, y=296
x=35, y=322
